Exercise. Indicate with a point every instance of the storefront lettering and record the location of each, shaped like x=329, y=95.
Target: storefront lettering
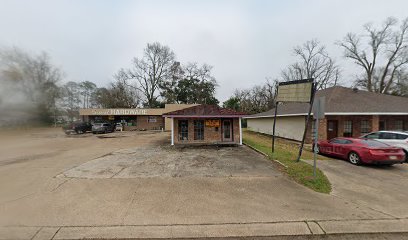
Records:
x=119, y=112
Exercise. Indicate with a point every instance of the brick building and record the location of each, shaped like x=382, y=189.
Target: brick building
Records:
x=205, y=124
x=349, y=113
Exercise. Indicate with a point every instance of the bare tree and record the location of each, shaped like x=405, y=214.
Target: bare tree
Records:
x=401, y=84
x=314, y=62
x=150, y=71
x=381, y=52
x=118, y=95
x=257, y=99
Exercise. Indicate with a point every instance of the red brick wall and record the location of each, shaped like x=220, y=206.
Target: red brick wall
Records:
x=356, y=120
x=373, y=122
x=210, y=133
x=235, y=130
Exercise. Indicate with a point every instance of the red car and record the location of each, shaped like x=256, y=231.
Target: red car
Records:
x=359, y=151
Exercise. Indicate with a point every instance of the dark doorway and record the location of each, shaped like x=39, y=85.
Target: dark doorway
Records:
x=226, y=131
x=332, y=126
x=183, y=130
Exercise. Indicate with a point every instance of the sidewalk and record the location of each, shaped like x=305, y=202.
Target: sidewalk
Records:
x=305, y=228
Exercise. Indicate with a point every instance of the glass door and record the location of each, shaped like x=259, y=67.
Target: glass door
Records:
x=226, y=131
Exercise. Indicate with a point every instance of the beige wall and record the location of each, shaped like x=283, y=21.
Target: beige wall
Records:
x=286, y=127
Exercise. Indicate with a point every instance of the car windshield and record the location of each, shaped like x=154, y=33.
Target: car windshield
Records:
x=98, y=124
x=372, y=143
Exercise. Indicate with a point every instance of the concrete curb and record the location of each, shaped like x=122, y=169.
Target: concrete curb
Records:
x=266, y=155
x=227, y=230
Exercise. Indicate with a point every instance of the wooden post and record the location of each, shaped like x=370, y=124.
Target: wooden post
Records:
x=240, y=132
x=273, y=128
x=172, y=131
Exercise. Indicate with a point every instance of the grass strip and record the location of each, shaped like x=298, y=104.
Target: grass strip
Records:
x=286, y=153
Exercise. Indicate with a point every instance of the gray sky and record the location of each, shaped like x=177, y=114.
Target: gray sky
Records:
x=245, y=41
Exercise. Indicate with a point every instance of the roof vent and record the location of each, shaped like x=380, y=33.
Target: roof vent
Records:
x=355, y=89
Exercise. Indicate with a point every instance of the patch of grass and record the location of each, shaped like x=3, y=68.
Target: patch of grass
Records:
x=286, y=152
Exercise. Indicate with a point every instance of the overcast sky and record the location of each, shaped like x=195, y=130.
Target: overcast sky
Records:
x=245, y=41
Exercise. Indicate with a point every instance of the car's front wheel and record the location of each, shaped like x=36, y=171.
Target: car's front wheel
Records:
x=354, y=158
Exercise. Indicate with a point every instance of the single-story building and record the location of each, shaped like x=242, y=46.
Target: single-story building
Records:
x=348, y=113
x=133, y=118
x=205, y=124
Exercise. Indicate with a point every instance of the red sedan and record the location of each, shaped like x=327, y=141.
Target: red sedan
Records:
x=359, y=151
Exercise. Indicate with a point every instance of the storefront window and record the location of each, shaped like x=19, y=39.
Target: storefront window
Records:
x=151, y=119
x=399, y=125
x=198, y=129
x=365, y=126
x=183, y=130
x=348, y=129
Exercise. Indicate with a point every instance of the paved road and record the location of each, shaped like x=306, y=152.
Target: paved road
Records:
x=226, y=199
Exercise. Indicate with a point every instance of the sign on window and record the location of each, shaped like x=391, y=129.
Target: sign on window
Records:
x=212, y=123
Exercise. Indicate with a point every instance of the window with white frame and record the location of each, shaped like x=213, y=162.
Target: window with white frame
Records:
x=198, y=129
x=348, y=129
x=183, y=130
x=365, y=126
x=151, y=119
x=399, y=125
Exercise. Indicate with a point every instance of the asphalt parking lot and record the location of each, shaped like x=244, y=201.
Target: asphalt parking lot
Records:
x=79, y=186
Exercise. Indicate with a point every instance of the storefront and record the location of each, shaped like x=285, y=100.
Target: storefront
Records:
x=133, y=118
x=205, y=124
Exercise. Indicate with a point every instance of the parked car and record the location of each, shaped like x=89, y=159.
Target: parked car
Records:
x=393, y=138
x=102, y=128
x=77, y=127
x=359, y=150
x=118, y=127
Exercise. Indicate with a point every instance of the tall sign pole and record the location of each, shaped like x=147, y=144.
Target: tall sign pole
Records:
x=318, y=113
x=316, y=137
x=300, y=91
x=274, y=119
x=307, y=120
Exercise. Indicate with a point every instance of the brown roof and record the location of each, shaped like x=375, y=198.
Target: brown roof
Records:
x=205, y=110
x=346, y=101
